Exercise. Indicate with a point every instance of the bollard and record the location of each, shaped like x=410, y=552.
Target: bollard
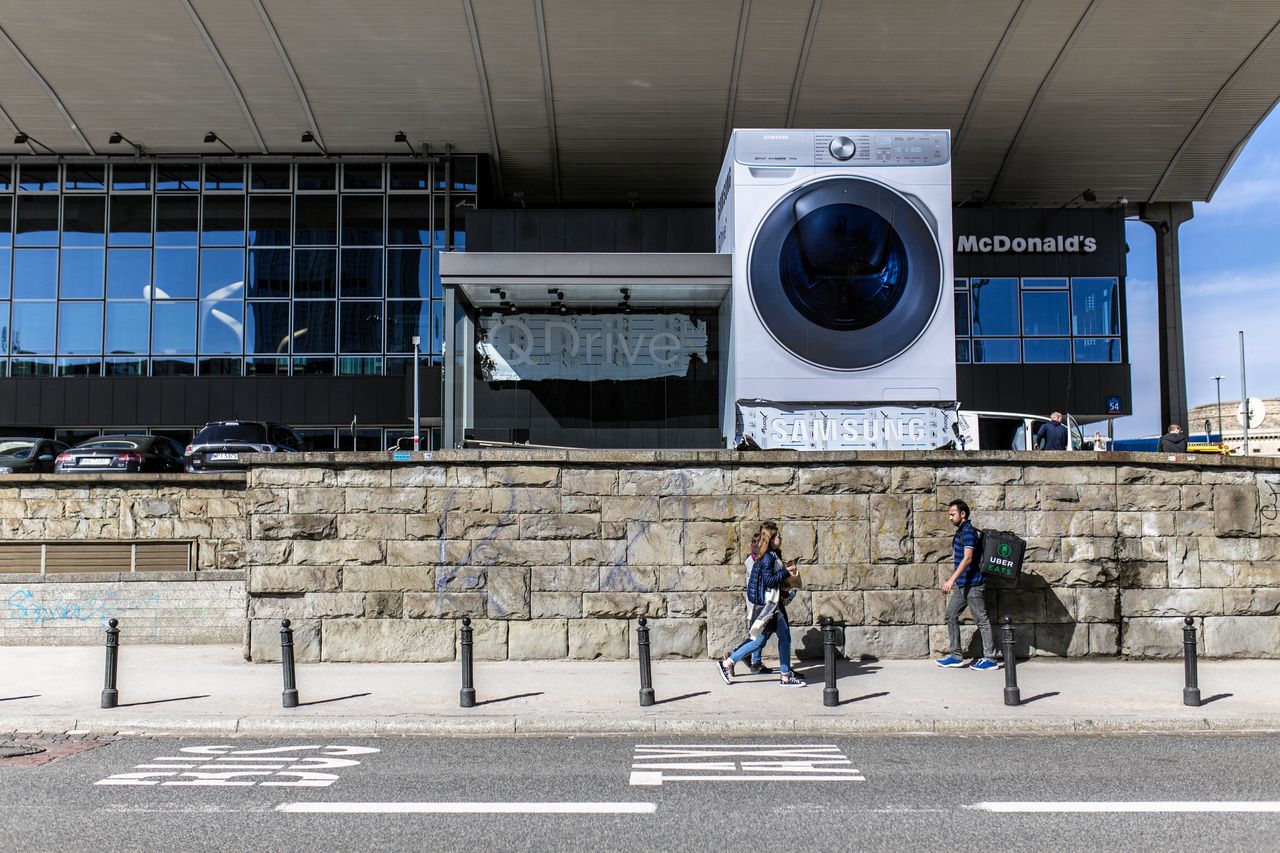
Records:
x=467, y=695
x=646, y=673
x=1191, y=692
x=830, y=693
x=290, y=696
x=1012, y=696
x=111, y=696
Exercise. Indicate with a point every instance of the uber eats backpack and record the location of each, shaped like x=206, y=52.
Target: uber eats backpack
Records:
x=999, y=554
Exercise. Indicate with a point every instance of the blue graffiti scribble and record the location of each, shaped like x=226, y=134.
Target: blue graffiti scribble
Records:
x=24, y=605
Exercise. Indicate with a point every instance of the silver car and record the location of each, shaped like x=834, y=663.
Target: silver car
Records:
x=220, y=445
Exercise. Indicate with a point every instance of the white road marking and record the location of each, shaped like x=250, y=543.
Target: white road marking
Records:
x=1131, y=806
x=227, y=766
x=468, y=808
x=745, y=763
x=640, y=777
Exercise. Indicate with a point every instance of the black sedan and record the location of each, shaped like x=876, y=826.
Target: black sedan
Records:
x=118, y=454
x=28, y=455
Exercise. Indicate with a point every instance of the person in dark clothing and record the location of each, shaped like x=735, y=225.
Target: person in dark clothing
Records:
x=966, y=588
x=769, y=613
x=1173, y=441
x=1052, y=435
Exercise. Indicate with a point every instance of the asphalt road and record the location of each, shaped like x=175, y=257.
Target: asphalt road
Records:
x=878, y=793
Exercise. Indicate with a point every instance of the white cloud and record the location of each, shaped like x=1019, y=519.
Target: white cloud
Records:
x=1263, y=283
x=1252, y=190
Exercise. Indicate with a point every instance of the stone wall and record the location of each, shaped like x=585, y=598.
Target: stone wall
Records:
x=554, y=553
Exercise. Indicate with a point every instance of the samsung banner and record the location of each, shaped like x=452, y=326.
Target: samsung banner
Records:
x=778, y=427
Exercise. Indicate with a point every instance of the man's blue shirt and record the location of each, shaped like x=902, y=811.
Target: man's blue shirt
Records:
x=1054, y=435
x=966, y=537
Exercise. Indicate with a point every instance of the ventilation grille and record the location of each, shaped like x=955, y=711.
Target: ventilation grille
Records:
x=51, y=558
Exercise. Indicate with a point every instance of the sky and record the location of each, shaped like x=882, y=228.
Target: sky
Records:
x=1230, y=283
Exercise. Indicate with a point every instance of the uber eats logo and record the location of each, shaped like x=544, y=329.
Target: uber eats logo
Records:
x=1004, y=550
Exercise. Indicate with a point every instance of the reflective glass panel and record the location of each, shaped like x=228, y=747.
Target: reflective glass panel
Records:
x=994, y=307
x=270, y=176
x=176, y=273
x=362, y=176
x=270, y=220
x=361, y=324
x=408, y=273
x=462, y=172
x=174, y=328
x=6, y=178
x=267, y=327
x=219, y=367
x=173, y=367
x=1095, y=307
x=84, y=220
x=221, y=177
x=316, y=220
x=6, y=263
x=437, y=326
x=409, y=220
x=38, y=178
x=319, y=177
x=223, y=221
x=1045, y=313
x=268, y=274
x=221, y=327
x=80, y=367
x=1098, y=350
x=37, y=221
x=80, y=328
x=82, y=176
x=410, y=177
x=130, y=220
x=31, y=367
x=4, y=328
x=33, y=327
x=35, y=274
x=6, y=221
x=962, y=352
x=314, y=367
x=222, y=274
x=177, y=177
x=361, y=272
x=125, y=367
x=177, y=221
x=996, y=351
x=82, y=273
x=125, y=178
x=962, y=284
x=962, y=314
x=1046, y=351
x=128, y=273
x=315, y=273
x=266, y=367
x=404, y=320
x=128, y=328
x=1042, y=283
x=364, y=366
x=362, y=220
x=313, y=326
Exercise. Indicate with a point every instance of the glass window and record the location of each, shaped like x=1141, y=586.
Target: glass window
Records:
x=80, y=328
x=462, y=172
x=362, y=176
x=362, y=220
x=38, y=179
x=404, y=320
x=222, y=274
x=223, y=221
x=125, y=367
x=313, y=326
x=31, y=367
x=962, y=352
x=177, y=221
x=266, y=367
x=220, y=367
x=437, y=326
x=409, y=220
x=128, y=273
x=4, y=328
x=176, y=273
x=37, y=221
x=177, y=177
x=6, y=260
x=6, y=178
x=270, y=220
x=996, y=351
x=34, y=324
x=410, y=176
x=86, y=176
x=1098, y=350
x=994, y=306
x=408, y=273
x=315, y=273
x=361, y=272
x=1055, y=283
x=362, y=366
x=173, y=367
x=270, y=176
x=267, y=327
x=125, y=178
x=316, y=220
x=1046, y=351
x=82, y=273
x=130, y=220
x=80, y=367
x=361, y=324
x=84, y=220
x=1095, y=307
x=224, y=177
x=962, y=314
x=173, y=329
x=317, y=177
x=221, y=327
x=128, y=328
x=268, y=274
x=962, y=284
x=313, y=366
x=35, y=274
x=6, y=221
x=458, y=222
x=1045, y=313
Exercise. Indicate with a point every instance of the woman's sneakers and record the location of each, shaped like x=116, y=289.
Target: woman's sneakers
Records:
x=790, y=679
x=726, y=672
x=759, y=669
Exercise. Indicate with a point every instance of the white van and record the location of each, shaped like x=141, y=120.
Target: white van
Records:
x=1008, y=431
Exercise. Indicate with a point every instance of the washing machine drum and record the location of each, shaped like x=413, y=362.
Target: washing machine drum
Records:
x=845, y=273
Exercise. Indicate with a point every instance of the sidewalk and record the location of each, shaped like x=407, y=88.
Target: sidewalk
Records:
x=211, y=691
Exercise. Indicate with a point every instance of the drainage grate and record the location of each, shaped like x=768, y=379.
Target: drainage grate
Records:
x=16, y=751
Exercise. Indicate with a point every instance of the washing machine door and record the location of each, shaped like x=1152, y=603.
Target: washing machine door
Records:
x=845, y=273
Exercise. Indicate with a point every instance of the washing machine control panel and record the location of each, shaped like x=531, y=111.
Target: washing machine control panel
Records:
x=843, y=148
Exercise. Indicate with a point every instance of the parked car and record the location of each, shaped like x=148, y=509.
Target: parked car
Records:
x=122, y=454
x=28, y=455
x=219, y=445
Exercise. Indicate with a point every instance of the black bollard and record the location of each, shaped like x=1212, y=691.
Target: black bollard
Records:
x=467, y=695
x=646, y=673
x=830, y=693
x=111, y=696
x=1012, y=696
x=290, y=696
x=1191, y=692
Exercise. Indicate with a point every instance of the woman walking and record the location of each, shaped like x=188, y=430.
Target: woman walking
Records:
x=769, y=614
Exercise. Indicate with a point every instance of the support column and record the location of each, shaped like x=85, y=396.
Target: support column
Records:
x=1165, y=219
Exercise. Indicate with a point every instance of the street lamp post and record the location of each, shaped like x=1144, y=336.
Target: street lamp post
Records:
x=1217, y=380
x=417, y=373
x=1244, y=396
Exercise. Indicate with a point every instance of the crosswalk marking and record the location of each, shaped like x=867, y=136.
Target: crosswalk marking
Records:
x=741, y=763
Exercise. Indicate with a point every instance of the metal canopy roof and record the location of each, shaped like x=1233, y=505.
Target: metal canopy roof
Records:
x=581, y=101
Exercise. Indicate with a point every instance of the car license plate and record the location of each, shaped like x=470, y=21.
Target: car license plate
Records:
x=224, y=457
x=99, y=461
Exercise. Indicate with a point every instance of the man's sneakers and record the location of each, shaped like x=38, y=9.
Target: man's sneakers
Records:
x=950, y=661
x=984, y=665
x=726, y=672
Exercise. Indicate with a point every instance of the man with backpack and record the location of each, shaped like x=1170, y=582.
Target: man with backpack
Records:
x=966, y=588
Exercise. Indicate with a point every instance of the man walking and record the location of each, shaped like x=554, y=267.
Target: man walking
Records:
x=966, y=588
x=1052, y=434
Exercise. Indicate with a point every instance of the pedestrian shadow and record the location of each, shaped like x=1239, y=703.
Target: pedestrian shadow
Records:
x=334, y=699
x=1039, y=696
x=685, y=696
x=14, y=698
x=508, y=698
x=1216, y=697
x=161, y=701
x=863, y=698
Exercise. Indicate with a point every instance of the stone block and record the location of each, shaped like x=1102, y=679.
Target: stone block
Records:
x=451, y=499
x=889, y=607
x=523, y=475
x=555, y=605
x=1197, y=497
x=922, y=576
x=622, y=605
x=336, y=552
x=1058, y=523
x=1194, y=523
x=625, y=578
x=387, y=640
x=1024, y=605
x=1061, y=640
x=290, y=526
x=595, y=639
x=816, y=507
x=383, y=605
x=629, y=509
x=818, y=575
x=726, y=622
x=1251, y=602
x=264, y=640
x=460, y=578
x=370, y=526
x=1236, y=511
x=1242, y=636
x=978, y=475
x=970, y=642
x=523, y=552
x=589, y=481
x=1129, y=475
x=1148, y=498
x=482, y=526
x=891, y=529
x=907, y=479
x=488, y=639
x=271, y=475
x=882, y=576
x=686, y=605
x=930, y=606
x=508, y=590
x=806, y=644
x=277, y=607
x=1104, y=638
x=400, y=499
x=654, y=544
x=422, y=526
x=393, y=578
x=673, y=481
x=323, y=605
x=679, y=579
x=559, y=526
x=1159, y=637
x=465, y=477
x=677, y=638
x=601, y=552
x=258, y=501
x=777, y=478
x=886, y=641
x=565, y=578
x=542, y=639
x=523, y=500
x=362, y=478
x=933, y=549
x=293, y=578
x=839, y=479
x=1096, y=605
x=1072, y=473
x=1171, y=602
x=418, y=476
x=706, y=508
x=317, y=501
x=708, y=543
x=445, y=605
x=1184, y=564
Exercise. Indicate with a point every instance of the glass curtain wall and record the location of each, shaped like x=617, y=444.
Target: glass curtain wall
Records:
x=1038, y=320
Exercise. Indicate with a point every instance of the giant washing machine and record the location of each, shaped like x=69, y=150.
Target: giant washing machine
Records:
x=842, y=268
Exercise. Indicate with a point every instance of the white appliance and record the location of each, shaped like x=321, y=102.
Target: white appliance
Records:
x=842, y=268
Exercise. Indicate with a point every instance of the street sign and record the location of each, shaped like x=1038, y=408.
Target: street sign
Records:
x=402, y=456
x=1114, y=405
x=1256, y=412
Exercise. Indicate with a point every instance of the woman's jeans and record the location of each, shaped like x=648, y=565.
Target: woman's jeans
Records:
x=784, y=643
